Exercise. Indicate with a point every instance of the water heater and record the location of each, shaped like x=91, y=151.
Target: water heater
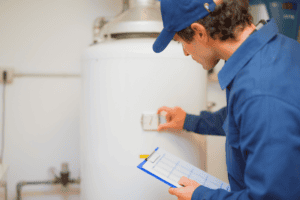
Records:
x=122, y=79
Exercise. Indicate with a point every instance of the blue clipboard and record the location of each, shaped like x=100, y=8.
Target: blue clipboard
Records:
x=140, y=166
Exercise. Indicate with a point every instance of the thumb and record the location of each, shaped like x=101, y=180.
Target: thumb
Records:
x=185, y=181
x=172, y=191
x=166, y=126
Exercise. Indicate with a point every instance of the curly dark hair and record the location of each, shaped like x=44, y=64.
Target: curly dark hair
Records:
x=223, y=21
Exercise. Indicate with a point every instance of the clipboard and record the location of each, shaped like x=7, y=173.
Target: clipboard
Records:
x=140, y=166
x=169, y=169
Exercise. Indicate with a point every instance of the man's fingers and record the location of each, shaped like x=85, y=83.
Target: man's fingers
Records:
x=164, y=108
x=164, y=126
x=187, y=182
x=172, y=191
x=184, y=181
x=168, y=117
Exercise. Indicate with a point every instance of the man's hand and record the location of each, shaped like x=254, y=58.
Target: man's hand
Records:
x=186, y=192
x=175, y=118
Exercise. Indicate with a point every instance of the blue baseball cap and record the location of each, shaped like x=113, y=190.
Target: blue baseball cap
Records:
x=178, y=15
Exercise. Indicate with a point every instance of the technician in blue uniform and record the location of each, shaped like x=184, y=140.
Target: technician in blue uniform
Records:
x=262, y=80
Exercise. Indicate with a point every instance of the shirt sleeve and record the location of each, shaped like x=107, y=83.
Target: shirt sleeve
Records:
x=207, y=123
x=270, y=145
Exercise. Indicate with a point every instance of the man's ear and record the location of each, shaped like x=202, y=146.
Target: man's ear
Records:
x=200, y=32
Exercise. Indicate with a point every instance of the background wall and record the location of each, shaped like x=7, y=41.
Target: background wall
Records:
x=42, y=114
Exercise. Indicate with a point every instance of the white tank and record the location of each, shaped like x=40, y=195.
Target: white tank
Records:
x=122, y=78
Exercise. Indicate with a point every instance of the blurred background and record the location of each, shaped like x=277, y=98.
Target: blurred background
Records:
x=42, y=112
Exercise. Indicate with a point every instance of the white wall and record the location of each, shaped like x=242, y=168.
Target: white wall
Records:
x=259, y=12
x=42, y=114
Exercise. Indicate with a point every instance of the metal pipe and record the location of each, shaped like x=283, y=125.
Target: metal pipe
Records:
x=55, y=182
x=23, y=183
x=4, y=184
x=48, y=75
x=133, y=3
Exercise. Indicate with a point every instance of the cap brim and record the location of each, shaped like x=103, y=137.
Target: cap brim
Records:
x=163, y=40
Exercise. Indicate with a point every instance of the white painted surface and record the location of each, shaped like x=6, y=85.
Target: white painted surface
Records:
x=3, y=171
x=42, y=124
x=259, y=12
x=49, y=36
x=122, y=79
x=216, y=160
x=42, y=114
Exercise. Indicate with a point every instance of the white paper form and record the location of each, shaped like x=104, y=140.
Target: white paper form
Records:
x=171, y=168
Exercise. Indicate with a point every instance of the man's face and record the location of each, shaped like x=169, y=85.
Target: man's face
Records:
x=202, y=53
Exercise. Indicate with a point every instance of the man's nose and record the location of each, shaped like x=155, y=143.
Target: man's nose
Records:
x=185, y=52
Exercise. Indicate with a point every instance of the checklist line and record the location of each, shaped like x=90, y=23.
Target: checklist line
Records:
x=190, y=173
x=159, y=160
x=173, y=168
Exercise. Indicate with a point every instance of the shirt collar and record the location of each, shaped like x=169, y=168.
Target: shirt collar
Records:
x=245, y=52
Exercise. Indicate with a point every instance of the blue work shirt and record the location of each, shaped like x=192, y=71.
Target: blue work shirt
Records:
x=261, y=121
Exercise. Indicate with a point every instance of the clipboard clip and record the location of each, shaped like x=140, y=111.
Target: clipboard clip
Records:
x=150, y=155
x=152, y=158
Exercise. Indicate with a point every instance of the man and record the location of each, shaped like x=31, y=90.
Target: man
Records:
x=262, y=80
